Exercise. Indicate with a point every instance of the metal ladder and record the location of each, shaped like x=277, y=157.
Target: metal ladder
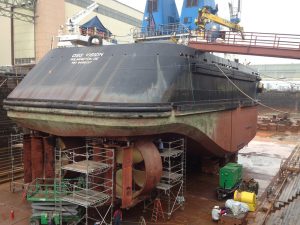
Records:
x=157, y=211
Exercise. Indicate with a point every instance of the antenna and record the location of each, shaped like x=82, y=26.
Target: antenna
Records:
x=235, y=11
x=230, y=9
x=239, y=6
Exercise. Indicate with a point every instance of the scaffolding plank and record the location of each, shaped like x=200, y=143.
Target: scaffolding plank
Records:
x=87, y=166
x=163, y=186
x=170, y=153
x=87, y=198
x=19, y=145
x=171, y=176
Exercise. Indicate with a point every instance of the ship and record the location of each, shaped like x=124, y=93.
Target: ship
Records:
x=133, y=95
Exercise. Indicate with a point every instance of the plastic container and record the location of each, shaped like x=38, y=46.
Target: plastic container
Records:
x=247, y=197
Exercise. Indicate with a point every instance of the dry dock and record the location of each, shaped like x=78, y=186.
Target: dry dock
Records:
x=261, y=159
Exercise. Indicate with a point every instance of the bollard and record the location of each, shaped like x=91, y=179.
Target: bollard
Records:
x=12, y=215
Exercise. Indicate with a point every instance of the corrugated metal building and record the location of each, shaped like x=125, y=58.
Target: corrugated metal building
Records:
x=290, y=72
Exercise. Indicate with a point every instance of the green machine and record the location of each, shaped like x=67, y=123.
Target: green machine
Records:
x=45, y=197
x=230, y=179
x=230, y=175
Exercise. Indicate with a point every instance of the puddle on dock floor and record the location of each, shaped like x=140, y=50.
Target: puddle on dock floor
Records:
x=262, y=158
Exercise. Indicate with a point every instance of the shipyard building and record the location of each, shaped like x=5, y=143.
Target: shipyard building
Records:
x=30, y=29
x=33, y=31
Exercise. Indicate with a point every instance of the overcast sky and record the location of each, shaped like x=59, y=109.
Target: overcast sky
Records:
x=271, y=16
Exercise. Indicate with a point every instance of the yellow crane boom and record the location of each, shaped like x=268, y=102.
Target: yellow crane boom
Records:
x=205, y=16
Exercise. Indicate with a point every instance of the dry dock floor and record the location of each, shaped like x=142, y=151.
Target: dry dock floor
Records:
x=13, y=201
x=261, y=160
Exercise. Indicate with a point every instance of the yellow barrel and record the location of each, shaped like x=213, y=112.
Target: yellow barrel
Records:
x=247, y=197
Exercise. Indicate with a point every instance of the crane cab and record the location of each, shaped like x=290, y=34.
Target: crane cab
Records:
x=189, y=12
x=158, y=14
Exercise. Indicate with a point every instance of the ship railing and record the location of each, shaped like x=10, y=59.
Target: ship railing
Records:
x=172, y=29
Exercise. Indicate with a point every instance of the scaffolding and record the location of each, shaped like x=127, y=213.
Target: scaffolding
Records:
x=11, y=159
x=171, y=188
x=94, y=167
x=17, y=164
x=11, y=164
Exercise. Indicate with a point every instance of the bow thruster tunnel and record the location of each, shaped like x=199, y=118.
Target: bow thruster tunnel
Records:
x=140, y=171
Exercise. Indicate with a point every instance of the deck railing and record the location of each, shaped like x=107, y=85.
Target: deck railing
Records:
x=252, y=43
x=161, y=30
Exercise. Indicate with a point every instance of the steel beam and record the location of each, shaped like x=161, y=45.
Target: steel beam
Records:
x=24, y=4
x=6, y=7
x=15, y=15
x=246, y=50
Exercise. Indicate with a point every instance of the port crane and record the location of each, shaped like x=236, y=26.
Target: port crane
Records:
x=248, y=43
x=206, y=15
x=210, y=40
x=74, y=36
x=73, y=22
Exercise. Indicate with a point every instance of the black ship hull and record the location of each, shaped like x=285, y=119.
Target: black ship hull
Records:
x=139, y=89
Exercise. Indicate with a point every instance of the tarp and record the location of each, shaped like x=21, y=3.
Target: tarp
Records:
x=95, y=22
